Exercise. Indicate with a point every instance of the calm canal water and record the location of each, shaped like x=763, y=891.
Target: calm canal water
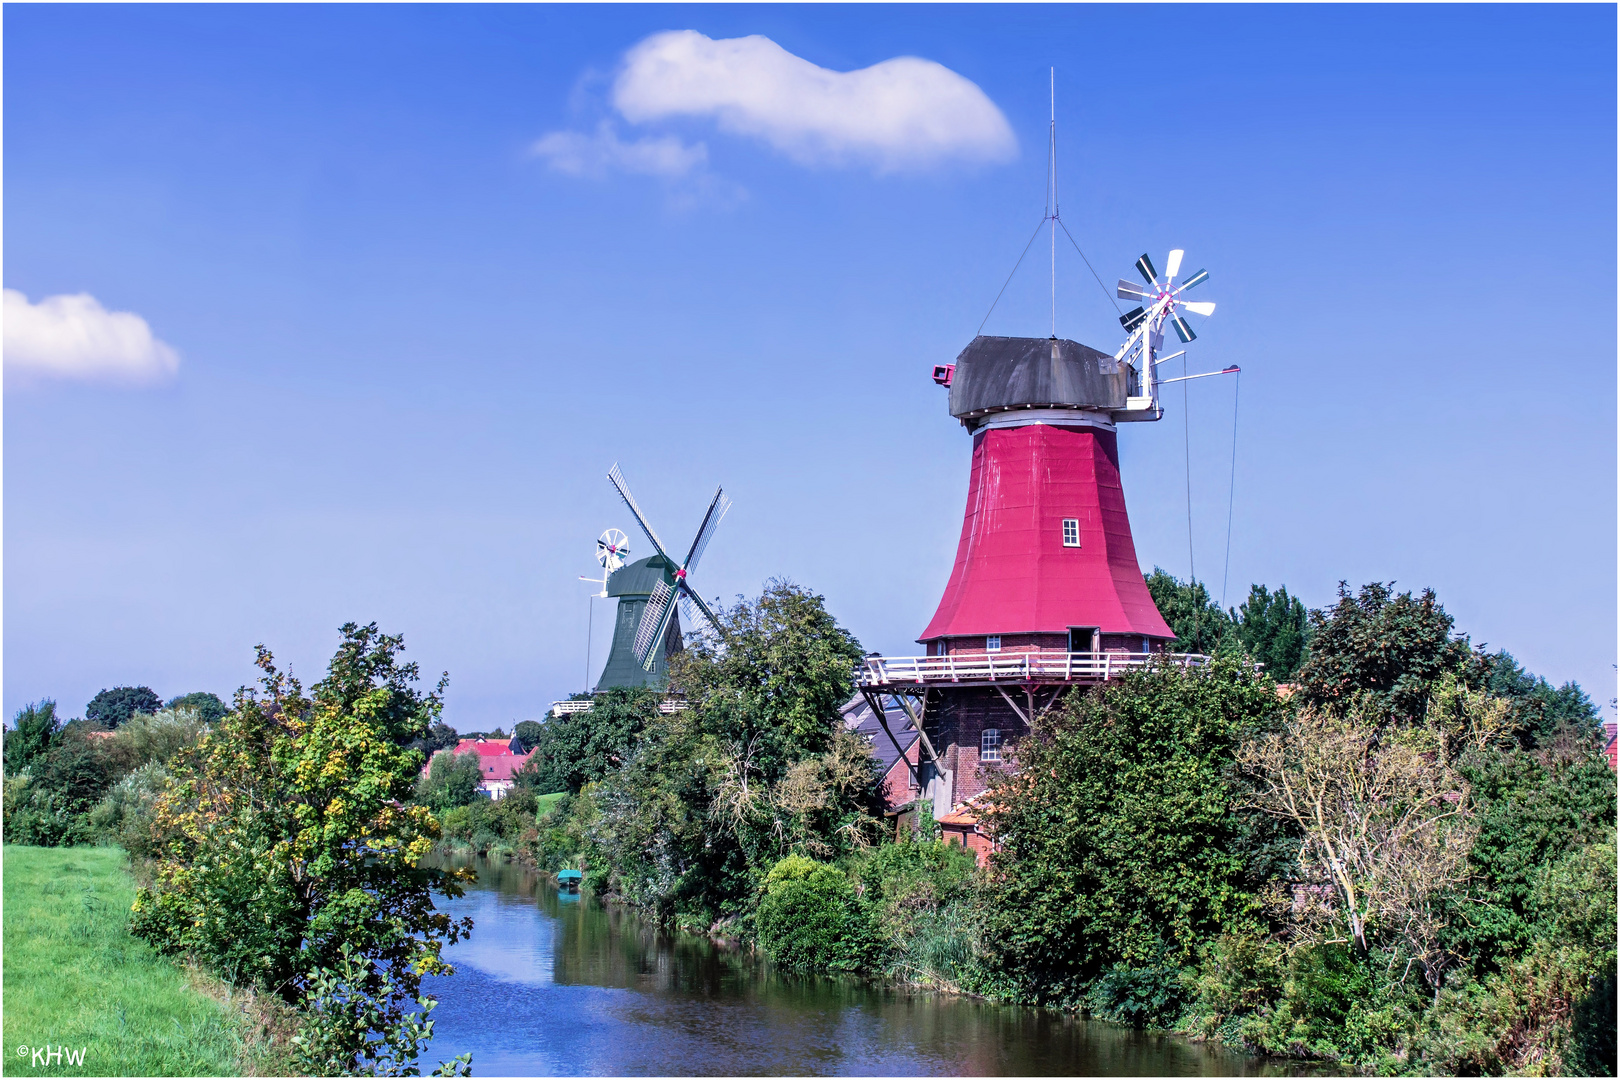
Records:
x=553, y=984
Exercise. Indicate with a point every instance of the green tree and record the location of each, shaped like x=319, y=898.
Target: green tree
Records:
x=440, y=736
x=1542, y=712
x=1273, y=628
x=209, y=707
x=452, y=780
x=529, y=731
x=1200, y=624
x=1122, y=836
x=34, y=731
x=286, y=839
x=758, y=766
x=576, y=749
x=1390, y=650
x=776, y=684
x=112, y=707
x=1534, y=811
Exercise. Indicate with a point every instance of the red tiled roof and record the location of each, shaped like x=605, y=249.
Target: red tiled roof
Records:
x=484, y=747
x=495, y=759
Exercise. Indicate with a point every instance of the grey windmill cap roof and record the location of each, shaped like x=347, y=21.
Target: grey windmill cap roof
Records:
x=641, y=577
x=995, y=373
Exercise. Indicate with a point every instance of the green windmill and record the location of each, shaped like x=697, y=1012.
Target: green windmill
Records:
x=647, y=627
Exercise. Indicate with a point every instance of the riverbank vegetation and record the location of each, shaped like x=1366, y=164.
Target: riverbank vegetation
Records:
x=278, y=847
x=1400, y=860
x=1352, y=836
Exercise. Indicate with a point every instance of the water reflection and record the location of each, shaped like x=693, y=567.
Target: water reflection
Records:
x=553, y=984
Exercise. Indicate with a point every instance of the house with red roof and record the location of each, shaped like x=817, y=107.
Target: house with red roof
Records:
x=498, y=762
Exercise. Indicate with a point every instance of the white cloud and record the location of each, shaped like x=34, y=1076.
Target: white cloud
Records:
x=578, y=154
x=902, y=114
x=74, y=337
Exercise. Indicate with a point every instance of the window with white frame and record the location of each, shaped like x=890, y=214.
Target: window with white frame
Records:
x=992, y=643
x=1071, y=532
x=990, y=744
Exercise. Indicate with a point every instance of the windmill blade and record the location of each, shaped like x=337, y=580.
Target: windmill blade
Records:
x=1173, y=264
x=1183, y=331
x=1129, y=290
x=654, y=622
x=711, y=522
x=686, y=611
x=1132, y=319
x=1197, y=279
x=689, y=593
x=629, y=500
x=1199, y=307
x=1144, y=266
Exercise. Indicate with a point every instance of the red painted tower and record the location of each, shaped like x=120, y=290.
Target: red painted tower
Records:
x=1046, y=592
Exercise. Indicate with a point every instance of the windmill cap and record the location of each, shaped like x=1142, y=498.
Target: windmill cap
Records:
x=640, y=578
x=995, y=373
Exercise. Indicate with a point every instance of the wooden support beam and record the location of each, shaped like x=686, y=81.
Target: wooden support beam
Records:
x=1011, y=704
x=875, y=702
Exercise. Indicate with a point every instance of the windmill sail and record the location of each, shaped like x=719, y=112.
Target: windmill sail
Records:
x=654, y=621
x=623, y=489
x=711, y=522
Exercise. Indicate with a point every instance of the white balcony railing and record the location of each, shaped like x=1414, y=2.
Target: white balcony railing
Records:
x=563, y=708
x=1087, y=667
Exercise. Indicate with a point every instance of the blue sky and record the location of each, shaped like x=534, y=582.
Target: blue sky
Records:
x=407, y=344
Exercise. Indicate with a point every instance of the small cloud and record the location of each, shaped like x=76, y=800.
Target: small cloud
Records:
x=578, y=154
x=74, y=337
x=902, y=114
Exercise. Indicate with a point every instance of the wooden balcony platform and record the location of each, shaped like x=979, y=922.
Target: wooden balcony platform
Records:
x=902, y=673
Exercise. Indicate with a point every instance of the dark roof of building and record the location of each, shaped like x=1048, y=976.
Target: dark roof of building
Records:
x=859, y=718
x=995, y=373
x=641, y=577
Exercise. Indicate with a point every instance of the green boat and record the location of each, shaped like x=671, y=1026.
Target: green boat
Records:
x=569, y=879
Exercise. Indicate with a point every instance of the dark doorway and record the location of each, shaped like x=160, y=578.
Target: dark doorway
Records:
x=1085, y=638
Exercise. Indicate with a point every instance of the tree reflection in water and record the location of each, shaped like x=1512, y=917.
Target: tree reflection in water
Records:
x=555, y=984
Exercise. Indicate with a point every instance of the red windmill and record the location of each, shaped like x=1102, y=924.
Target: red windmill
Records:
x=1046, y=592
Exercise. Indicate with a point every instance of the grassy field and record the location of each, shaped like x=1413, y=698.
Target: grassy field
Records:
x=546, y=802
x=75, y=978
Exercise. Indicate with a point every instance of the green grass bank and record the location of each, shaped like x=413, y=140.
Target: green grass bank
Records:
x=75, y=978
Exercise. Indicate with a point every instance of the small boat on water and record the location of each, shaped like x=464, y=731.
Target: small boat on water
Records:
x=569, y=880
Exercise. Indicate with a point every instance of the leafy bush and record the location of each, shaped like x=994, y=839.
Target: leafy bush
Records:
x=347, y=1032
x=1148, y=996
x=1123, y=835
x=920, y=900
x=157, y=737
x=125, y=815
x=809, y=918
x=285, y=841
x=486, y=824
x=37, y=815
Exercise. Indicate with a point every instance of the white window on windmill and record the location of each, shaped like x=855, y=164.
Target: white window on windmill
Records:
x=1071, y=532
x=992, y=643
x=990, y=744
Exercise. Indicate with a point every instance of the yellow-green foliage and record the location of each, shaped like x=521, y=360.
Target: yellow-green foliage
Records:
x=75, y=977
x=286, y=841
